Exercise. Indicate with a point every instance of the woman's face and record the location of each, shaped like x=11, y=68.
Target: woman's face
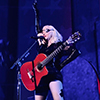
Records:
x=47, y=32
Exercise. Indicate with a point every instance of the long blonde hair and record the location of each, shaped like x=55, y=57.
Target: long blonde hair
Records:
x=56, y=36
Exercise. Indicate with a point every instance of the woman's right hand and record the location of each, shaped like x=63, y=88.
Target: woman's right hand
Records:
x=40, y=41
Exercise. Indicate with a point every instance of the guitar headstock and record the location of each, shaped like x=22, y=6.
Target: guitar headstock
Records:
x=74, y=38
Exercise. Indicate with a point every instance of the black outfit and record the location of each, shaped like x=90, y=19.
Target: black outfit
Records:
x=53, y=67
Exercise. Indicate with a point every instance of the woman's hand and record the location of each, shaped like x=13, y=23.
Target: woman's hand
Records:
x=41, y=41
x=67, y=47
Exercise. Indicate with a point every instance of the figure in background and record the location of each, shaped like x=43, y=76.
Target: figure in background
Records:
x=53, y=80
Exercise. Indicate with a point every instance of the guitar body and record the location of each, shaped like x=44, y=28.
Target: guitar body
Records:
x=28, y=70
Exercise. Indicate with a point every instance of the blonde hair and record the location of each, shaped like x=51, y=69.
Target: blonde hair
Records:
x=56, y=36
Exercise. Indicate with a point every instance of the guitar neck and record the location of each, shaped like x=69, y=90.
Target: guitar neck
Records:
x=54, y=53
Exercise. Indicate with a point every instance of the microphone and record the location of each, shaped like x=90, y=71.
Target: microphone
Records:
x=38, y=37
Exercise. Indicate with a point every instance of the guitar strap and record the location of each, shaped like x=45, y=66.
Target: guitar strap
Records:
x=75, y=53
x=34, y=74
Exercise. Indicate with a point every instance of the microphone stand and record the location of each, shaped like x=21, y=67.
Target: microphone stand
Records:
x=18, y=62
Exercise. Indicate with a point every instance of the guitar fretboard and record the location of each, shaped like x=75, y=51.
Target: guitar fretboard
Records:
x=53, y=54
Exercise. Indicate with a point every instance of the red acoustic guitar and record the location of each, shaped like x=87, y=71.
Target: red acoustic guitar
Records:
x=33, y=71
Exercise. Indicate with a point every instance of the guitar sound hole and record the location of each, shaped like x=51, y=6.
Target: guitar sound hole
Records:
x=39, y=66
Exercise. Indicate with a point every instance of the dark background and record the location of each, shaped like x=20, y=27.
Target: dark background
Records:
x=17, y=25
